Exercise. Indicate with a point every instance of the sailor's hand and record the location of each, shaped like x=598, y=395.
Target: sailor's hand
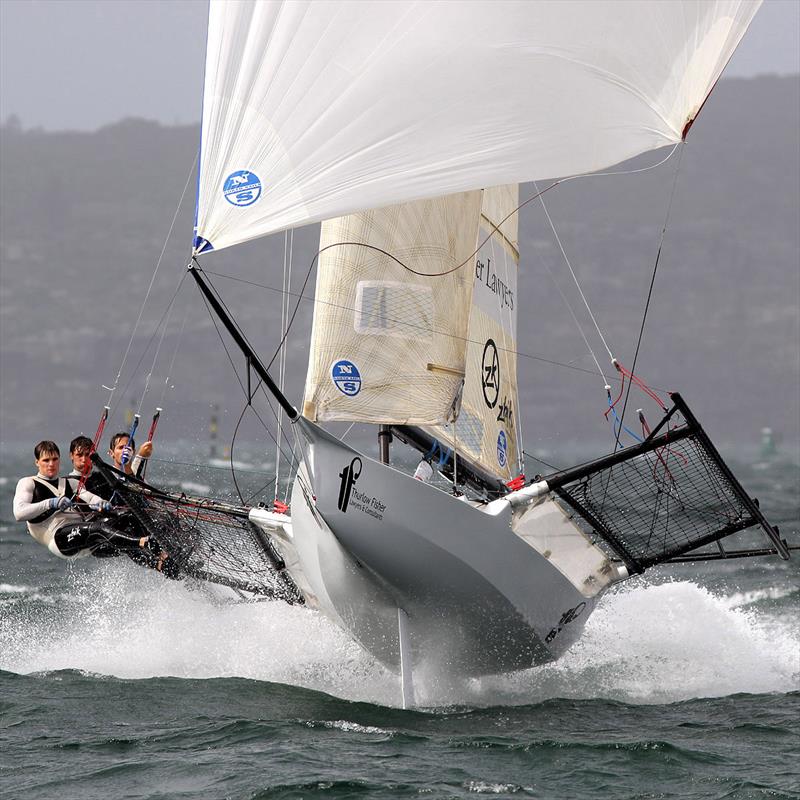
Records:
x=60, y=504
x=146, y=450
x=104, y=506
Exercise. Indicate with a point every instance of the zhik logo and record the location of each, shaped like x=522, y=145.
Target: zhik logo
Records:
x=349, y=476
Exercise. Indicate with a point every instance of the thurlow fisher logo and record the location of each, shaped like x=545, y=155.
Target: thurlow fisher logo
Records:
x=346, y=377
x=242, y=188
x=349, y=476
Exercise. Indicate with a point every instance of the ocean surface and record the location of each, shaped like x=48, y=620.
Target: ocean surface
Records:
x=115, y=683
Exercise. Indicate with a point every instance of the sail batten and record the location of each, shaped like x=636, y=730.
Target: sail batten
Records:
x=316, y=110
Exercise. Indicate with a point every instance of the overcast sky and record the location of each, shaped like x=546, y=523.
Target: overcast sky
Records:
x=80, y=64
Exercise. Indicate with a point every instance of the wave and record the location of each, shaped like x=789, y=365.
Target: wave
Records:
x=643, y=644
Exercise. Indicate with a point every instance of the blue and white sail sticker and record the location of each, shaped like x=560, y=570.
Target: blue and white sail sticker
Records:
x=242, y=188
x=502, y=448
x=347, y=378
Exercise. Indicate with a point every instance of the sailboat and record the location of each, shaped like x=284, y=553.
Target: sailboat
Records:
x=406, y=128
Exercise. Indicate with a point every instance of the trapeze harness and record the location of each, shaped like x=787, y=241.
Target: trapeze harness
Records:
x=66, y=533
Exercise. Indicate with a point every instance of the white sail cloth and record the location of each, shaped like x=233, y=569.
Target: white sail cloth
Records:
x=391, y=312
x=312, y=109
x=487, y=430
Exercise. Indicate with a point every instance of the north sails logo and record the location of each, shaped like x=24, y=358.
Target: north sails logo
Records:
x=349, y=476
x=242, y=188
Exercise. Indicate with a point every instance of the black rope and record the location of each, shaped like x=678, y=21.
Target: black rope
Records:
x=541, y=461
x=518, y=353
x=248, y=400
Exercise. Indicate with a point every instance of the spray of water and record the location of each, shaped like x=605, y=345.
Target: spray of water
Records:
x=644, y=644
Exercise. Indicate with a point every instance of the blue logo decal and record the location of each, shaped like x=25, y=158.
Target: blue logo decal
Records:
x=347, y=378
x=502, y=448
x=242, y=188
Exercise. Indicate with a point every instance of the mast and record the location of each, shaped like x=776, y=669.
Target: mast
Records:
x=384, y=440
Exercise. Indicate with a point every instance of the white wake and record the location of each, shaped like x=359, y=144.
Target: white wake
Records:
x=643, y=644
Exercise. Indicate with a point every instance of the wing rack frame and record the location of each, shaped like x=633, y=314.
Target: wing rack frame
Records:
x=664, y=497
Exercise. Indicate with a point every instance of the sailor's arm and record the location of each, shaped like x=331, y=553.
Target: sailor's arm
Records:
x=95, y=502
x=24, y=507
x=137, y=465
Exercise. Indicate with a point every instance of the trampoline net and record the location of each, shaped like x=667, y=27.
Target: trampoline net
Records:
x=207, y=539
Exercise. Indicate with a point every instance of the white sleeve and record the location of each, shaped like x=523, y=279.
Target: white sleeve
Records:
x=89, y=498
x=24, y=507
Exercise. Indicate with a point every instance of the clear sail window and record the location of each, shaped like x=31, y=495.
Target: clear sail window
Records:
x=468, y=432
x=392, y=308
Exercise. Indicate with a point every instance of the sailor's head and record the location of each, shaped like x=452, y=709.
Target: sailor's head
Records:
x=121, y=443
x=47, y=458
x=80, y=448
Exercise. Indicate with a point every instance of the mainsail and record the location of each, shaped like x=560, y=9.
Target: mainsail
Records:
x=415, y=323
x=486, y=431
x=391, y=313
x=315, y=110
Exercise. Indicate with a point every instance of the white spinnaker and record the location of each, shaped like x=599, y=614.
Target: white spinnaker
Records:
x=313, y=110
x=486, y=429
x=388, y=344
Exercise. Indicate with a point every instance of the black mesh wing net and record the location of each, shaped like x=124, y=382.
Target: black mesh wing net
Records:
x=206, y=539
x=662, y=498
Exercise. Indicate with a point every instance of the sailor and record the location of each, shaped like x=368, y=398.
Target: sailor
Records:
x=48, y=505
x=80, y=450
x=120, y=448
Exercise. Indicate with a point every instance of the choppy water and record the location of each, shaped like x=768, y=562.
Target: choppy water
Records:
x=115, y=683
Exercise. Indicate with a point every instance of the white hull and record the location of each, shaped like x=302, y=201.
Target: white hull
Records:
x=485, y=589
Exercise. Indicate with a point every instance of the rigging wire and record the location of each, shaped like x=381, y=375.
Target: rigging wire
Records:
x=541, y=461
x=519, y=353
x=149, y=342
x=248, y=398
x=650, y=290
x=233, y=469
x=165, y=320
x=174, y=356
x=580, y=292
x=152, y=282
x=566, y=300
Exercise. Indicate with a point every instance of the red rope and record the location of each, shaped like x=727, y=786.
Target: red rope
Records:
x=641, y=384
x=88, y=463
x=621, y=390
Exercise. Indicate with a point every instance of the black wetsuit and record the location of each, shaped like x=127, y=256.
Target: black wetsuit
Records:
x=151, y=556
x=98, y=485
x=101, y=537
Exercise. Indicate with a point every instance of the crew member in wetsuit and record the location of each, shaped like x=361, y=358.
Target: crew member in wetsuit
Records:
x=47, y=504
x=80, y=451
x=121, y=446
